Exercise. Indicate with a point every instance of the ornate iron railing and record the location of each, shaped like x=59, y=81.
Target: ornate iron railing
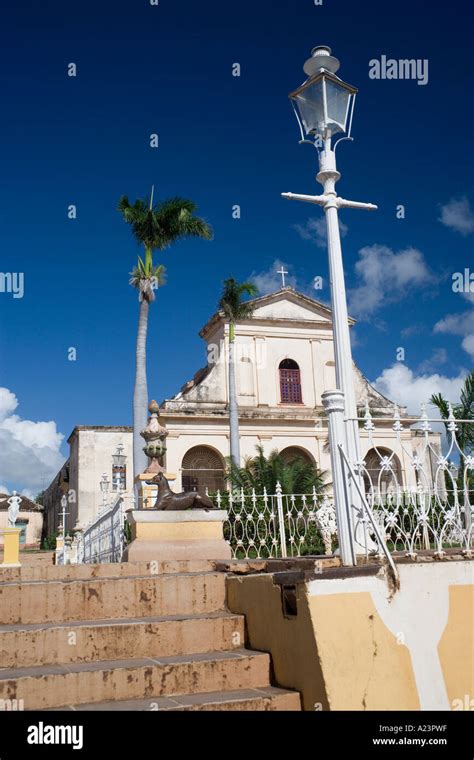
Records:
x=260, y=526
x=427, y=505
x=431, y=506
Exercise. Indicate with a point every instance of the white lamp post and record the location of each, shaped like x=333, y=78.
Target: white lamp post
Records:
x=104, y=487
x=118, y=459
x=63, y=514
x=324, y=106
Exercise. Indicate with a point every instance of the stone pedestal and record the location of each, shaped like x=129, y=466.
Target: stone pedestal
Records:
x=11, y=547
x=190, y=534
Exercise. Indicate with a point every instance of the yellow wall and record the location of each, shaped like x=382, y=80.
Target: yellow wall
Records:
x=353, y=645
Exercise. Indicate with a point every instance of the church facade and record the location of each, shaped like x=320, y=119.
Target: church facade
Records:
x=284, y=362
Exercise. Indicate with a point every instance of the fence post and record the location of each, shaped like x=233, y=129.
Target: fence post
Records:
x=281, y=520
x=333, y=402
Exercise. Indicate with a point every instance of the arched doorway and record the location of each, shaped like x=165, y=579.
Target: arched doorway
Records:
x=294, y=452
x=383, y=472
x=202, y=467
x=290, y=382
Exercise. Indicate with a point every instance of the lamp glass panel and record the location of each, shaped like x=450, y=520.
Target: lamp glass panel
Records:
x=118, y=459
x=310, y=105
x=337, y=99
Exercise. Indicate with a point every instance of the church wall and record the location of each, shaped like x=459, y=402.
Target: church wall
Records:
x=272, y=434
x=267, y=347
x=94, y=457
x=73, y=507
x=177, y=444
x=213, y=388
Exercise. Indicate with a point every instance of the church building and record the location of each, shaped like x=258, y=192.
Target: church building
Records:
x=284, y=362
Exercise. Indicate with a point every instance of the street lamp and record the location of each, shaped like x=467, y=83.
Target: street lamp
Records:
x=104, y=487
x=118, y=469
x=63, y=514
x=119, y=457
x=324, y=106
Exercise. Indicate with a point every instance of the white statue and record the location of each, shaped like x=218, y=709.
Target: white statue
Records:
x=14, y=501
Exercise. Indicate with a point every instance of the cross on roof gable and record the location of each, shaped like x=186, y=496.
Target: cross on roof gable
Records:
x=286, y=304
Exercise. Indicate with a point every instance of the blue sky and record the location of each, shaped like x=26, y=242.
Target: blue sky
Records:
x=223, y=140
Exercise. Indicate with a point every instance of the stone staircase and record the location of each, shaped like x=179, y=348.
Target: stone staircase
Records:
x=132, y=636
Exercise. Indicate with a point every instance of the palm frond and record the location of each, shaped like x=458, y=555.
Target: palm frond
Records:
x=164, y=223
x=263, y=472
x=441, y=404
x=231, y=301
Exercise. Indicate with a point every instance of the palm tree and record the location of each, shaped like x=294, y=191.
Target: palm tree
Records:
x=465, y=433
x=462, y=411
x=260, y=472
x=155, y=227
x=235, y=308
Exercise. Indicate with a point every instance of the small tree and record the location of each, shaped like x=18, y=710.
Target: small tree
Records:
x=464, y=410
x=297, y=476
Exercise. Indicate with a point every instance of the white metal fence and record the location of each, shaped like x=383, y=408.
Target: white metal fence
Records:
x=428, y=506
x=260, y=526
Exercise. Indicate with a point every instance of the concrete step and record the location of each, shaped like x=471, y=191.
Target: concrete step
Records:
x=104, y=598
x=264, y=699
x=48, y=572
x=91, y=640
x=75, y=684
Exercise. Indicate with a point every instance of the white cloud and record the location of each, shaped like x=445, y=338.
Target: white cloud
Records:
x=400, y=384
x=29, y=493
x=316, y=229
x=459, y=324
x=456, y=324
x=468, y=345
x=458, y=215
x=412, y=330
x=386, y=277
x=29, y=451
x=8, y=403
x=438, y=356
x=270, y=281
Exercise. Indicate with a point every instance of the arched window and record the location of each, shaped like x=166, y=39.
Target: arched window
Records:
x=382, y=472
x=294, y=452
x=290, y=382
x=202, y=468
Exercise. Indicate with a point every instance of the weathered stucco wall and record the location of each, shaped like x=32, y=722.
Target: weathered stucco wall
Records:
x=354, y=645
x=94, y=457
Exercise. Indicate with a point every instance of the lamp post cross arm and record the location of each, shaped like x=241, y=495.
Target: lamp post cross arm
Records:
x=343, y=203
x=324, y=200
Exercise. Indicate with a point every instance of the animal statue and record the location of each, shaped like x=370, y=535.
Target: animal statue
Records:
x=166, y=499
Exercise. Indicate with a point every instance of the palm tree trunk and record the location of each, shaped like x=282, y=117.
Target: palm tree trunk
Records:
x=233, y=411
x=140, y=393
